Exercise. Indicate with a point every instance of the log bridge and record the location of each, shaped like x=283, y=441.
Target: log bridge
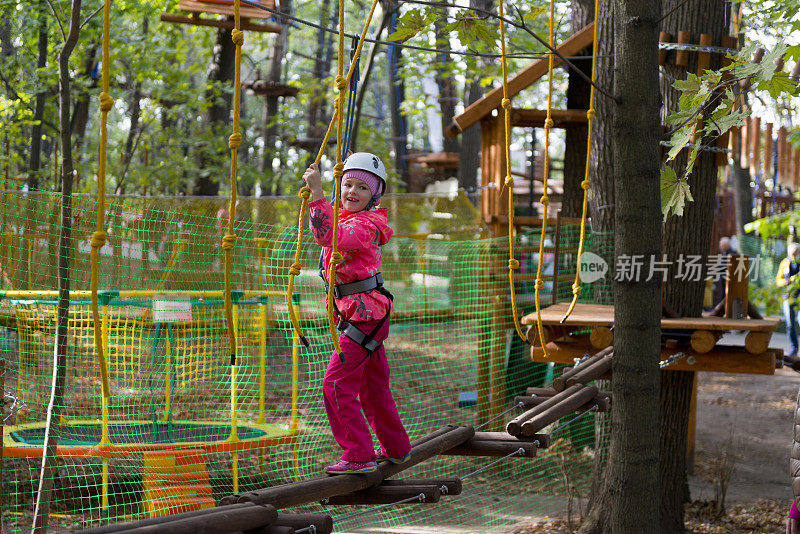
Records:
x=257, y=511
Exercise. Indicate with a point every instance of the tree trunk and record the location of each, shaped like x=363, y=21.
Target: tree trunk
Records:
x=633, y=454
x=35, y=160
x=55, y=407
x=366, y=71
x=742, y=192
x=135, y=108
x=80, y=114
x=316, y=103
x=218, y=114
x=469, y=160
x=397, y=94
x=444, y=80
x=576, y=134
x=685, y=236
x=271, y=129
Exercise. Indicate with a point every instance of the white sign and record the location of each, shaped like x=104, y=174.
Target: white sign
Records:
x=171, y=309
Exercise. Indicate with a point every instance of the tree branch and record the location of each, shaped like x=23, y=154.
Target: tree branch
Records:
x=58, y=20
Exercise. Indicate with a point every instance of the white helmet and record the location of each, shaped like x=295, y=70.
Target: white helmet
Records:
x=367, y=162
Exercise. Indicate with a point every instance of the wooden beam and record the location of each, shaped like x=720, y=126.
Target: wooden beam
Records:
x=482, y=107
x=557, y=411
x=216, y=23
x=452, y=486
x=534, y=118
x=220, y=521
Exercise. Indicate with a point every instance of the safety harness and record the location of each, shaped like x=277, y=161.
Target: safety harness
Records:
x=367, y=285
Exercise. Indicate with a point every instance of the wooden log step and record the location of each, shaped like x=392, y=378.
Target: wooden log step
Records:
x=161, y=520
x=593, y=372
x=703, y=341
x=756, y=342
x=556, y=412
x=543, y=439
x=514, y=427
x=305, y=491
x=271, y=529
x=494, y=448
x=387, y=495
x=602, y=402
x=560, y=383
x=222, y=520
x=447, y=486
x=549, y=392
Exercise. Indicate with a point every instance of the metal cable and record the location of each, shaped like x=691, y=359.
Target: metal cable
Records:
x=564, y=425
x=420, y=498
x=518, y=405
x=519, y=452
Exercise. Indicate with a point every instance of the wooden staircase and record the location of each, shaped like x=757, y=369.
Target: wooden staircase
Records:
x=175, y=481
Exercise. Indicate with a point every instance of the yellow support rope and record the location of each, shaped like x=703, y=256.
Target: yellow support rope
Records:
x=99, y=236
x=229, y=241
x=548, y=124
x=513, y=263
x=576, y=286
x=305, y=192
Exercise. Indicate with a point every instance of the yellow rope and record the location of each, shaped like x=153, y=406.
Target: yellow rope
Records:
x=513, y=264
x=305, y=192
x=99, y=236
x=576, y=286
x=235, y=139
x=548, y=124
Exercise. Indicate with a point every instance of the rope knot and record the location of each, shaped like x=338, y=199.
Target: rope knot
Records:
x=513, y=264
x=106, y=102
x=294, y=270
x=539, y=284
x=509, y=181
x=548, y=123
x=234, y=141
x=99, y=239
x=576, y=289
x=338, y=170
x=590, y=114
x=545, y=200
x=238, y=37
x=506, y=103
x=336, y=258
x=341, y=84
x=304, y=193
x=585, y=185
x=228, y=242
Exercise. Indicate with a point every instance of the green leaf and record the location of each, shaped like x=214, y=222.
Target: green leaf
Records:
x=534, y=13
x=674, y=193
x=679, y=140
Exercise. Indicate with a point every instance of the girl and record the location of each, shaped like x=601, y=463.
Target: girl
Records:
x=358, y=379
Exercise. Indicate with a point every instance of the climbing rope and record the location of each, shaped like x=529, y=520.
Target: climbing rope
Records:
x=305, y=192
x=576, y=286
x=513, y=263
x=548, y=124
x=99, y=236
x=229, y=240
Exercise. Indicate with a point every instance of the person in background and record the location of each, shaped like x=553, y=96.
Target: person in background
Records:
x=725, y=249
x=787, y=272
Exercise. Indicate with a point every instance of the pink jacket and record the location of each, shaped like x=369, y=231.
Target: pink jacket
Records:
x=361, y=236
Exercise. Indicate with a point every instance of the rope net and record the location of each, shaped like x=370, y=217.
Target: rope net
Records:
x=162, y=309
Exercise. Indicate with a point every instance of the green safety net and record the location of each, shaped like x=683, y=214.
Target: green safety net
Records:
x=451, y=348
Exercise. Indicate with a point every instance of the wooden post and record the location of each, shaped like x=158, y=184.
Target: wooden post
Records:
x=703, y=58
x=756, y=342
x=663, y=37
x=767, y=151
x=782, y=156
x=556, y=257
x=745, y=144
x=727, y=41
x=755, y=137
x=703, y=341
x=736, y=286
x=795, y=170
x=682, y=56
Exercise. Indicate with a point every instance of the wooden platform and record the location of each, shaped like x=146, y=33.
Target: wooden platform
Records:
x=589, y=315
x=197, y=9
x=588, y=330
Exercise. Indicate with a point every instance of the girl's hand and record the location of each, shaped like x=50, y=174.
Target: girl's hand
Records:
x=313, y=180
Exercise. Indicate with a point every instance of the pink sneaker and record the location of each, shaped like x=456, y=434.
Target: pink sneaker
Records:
x=343, y=467
x=381, y=457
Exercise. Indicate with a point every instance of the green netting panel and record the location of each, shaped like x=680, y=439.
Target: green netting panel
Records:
x=451, y=343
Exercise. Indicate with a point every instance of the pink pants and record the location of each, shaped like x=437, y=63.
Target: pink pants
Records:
x=361, y=382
